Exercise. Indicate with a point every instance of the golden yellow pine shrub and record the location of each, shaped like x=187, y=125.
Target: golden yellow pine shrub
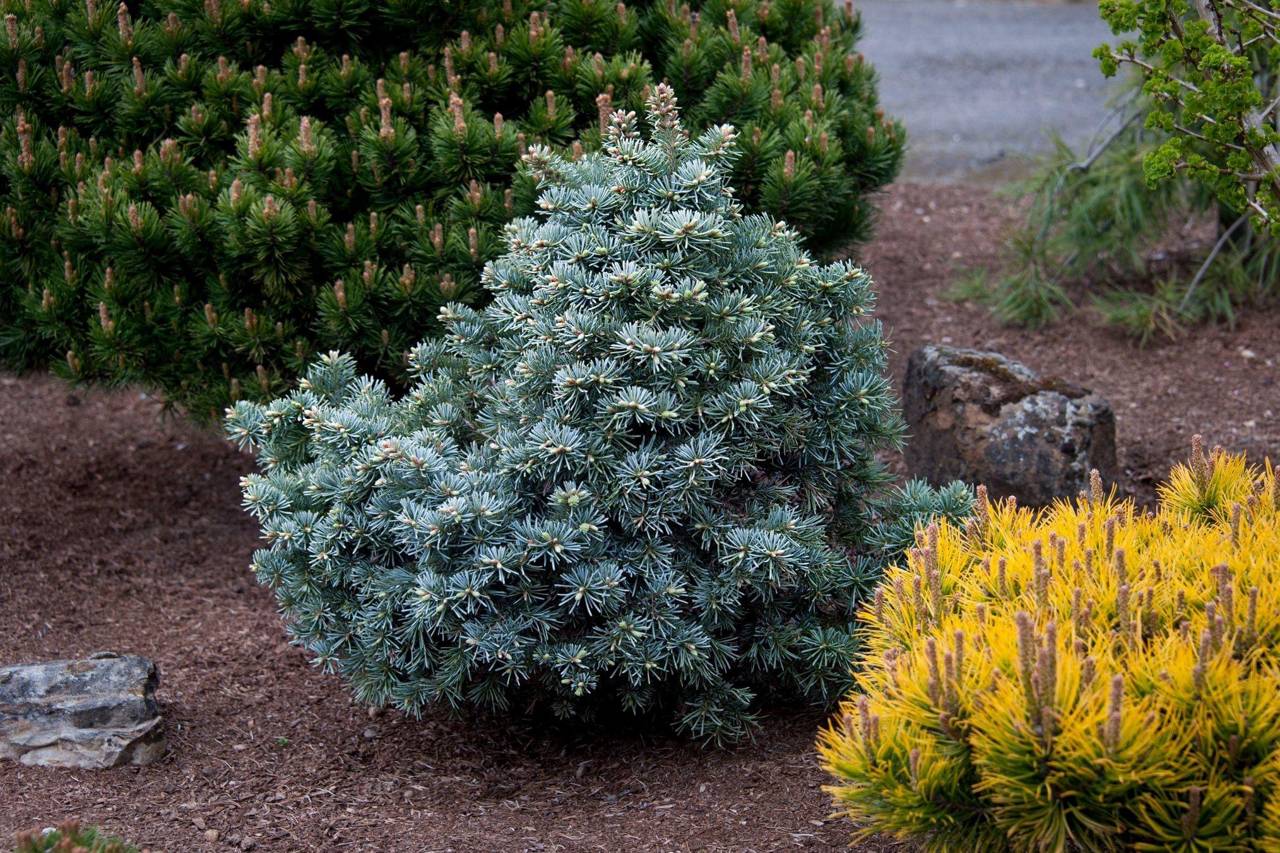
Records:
x=1089, y=677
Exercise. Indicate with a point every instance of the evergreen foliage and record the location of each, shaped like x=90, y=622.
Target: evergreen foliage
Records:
x=1086, y=678
x=201, y=195
x=1208, y=68
x=1097, y=225
x=644, y=477
x=1200, y=140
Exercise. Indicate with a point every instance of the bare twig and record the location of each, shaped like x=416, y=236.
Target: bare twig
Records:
x=1204, y=267
x=1096, y=152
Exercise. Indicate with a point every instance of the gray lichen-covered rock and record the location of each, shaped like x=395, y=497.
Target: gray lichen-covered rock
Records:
x=985, y=418
x=93, y=713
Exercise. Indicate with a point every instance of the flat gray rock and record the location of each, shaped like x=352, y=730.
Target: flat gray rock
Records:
x=93, y=713
x=982, y=417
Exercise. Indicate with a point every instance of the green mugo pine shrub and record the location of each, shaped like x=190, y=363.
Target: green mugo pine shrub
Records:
x=643, y=477
x=201, y=196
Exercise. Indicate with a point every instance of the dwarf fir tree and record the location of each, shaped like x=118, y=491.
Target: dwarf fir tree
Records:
x=200, y=196
x=644, y=477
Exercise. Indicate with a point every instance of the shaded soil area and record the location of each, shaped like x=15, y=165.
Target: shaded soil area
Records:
x=123, y=531
x=1221, y=382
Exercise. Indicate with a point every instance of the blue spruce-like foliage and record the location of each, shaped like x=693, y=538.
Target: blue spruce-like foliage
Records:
x=643, y=477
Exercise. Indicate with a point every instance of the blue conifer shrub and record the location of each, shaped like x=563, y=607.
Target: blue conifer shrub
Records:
x=643, y=477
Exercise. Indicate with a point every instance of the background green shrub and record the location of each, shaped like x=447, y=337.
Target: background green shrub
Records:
x=200, y=196
x=1193, y=139
x=643, y=478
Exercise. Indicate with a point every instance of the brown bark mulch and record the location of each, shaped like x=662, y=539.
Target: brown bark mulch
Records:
x=120, y=530
x=1218, y=381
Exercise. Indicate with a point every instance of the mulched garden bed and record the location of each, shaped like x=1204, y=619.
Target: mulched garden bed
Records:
x=123, y=531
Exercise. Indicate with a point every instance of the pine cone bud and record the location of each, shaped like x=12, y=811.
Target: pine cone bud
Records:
x=450, y=76
x=305, y=142
x=26, y=149
x=123, y=26
x=604, y=109
x=386, y=131
x=662, y=103
x=459, y=117
x=255, y=134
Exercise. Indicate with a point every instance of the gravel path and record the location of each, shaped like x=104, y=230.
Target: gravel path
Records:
x=980, y=85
